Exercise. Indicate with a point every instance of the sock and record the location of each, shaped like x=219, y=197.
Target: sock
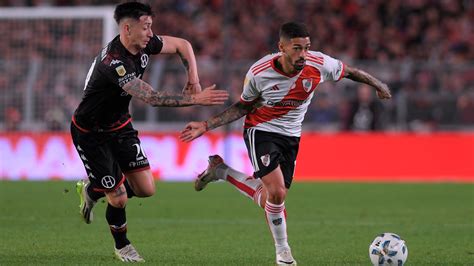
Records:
x=94, y=195
x=247, y=185
x=129, y=189
x=276, y=220
x=118, y=225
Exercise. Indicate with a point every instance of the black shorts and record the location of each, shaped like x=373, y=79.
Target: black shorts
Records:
x=267, y=150
x=108, y=155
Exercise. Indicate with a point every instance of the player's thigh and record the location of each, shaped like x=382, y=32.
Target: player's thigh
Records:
x=128, y=150
x=263, y=151
x=142, y=182
x=288, y=161
x=102, y=169
x=133, y=161
x=267, y=151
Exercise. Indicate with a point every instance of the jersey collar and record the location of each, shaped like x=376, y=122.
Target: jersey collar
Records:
x=281, y=72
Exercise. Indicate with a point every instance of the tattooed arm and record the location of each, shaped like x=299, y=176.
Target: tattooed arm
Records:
x=143, y=91
x=383, y=92
x=194, y=130
x=173, y=45
x=234, y=112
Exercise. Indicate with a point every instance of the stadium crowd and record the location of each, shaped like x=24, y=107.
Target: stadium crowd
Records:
x=422, y=48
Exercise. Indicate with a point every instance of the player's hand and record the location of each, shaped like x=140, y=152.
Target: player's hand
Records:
x=192, y=131
x=211, y=96
x=383, y=92
x=191, y=88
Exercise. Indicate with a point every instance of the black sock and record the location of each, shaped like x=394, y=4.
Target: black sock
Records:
x=94, y=195
x=118, y=225
x=129, y=189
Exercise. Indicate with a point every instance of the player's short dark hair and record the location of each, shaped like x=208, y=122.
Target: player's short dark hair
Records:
x=292, y=30
x=132, y=10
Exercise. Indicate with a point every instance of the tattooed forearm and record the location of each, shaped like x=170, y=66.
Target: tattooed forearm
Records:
x=232, y=113
x=361, y=76
x=142, y=90
x=184, y=60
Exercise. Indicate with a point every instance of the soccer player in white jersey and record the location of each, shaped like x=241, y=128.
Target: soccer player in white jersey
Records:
x=277, y=91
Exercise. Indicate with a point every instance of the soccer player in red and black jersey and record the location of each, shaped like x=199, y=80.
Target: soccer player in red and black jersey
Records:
x=101, y=128
x=277, y=92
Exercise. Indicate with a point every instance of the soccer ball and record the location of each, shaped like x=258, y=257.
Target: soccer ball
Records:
x=388, y=249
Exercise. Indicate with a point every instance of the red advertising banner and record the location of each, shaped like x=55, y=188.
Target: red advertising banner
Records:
x=441, y=157
x=387, y=157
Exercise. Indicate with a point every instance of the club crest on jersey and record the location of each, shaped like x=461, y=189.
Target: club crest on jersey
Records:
x=307, y=84
x=121, y=70
x=265, y=159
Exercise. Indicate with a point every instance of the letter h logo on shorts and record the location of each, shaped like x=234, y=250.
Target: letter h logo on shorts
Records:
x=107, y=181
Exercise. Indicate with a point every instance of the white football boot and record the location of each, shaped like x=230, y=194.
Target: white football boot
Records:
x=210, y=174
x=284, y=257
x=128, y=254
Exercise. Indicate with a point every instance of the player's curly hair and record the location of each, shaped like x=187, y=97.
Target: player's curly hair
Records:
x=132, y=10
x=292, y=30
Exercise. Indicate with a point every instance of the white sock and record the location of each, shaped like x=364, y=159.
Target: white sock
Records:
x=247, y=185
x=276, y=220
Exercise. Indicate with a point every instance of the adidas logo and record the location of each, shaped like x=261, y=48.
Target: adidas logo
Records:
x=275, y=88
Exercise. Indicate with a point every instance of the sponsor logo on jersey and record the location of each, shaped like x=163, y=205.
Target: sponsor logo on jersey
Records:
x=121, y=70
x=138, y=163
x=144, y=60
x=124, y=80
x=307, y=84
x=283, y=103
x=265, y=160
x=107, y=181
x=115, y=61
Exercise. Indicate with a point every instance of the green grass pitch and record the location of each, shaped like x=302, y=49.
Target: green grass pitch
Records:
x=328, y=224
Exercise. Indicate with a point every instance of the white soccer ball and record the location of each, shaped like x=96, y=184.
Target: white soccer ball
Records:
x=388, y=249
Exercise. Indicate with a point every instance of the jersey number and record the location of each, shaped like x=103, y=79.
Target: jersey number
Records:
x=140, y=152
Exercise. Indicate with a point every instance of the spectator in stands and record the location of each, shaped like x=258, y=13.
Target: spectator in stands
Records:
x=12, y=119
x=434, y=33
x=365, y=112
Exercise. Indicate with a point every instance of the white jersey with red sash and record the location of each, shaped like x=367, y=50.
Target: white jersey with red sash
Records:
x=284, y=99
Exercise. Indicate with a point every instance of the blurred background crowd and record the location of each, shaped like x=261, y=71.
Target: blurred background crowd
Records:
x=423, y=49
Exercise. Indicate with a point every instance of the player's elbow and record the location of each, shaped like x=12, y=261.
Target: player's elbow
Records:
x=183, y=45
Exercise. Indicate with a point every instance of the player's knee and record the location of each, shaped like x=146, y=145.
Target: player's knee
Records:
x=147, y=192
x=277, y=195
x=118, y=202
